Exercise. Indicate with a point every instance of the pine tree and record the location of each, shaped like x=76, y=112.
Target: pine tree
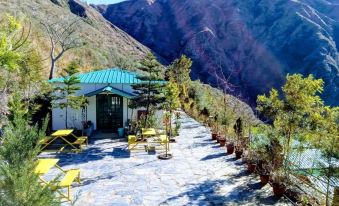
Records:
x=65, y=96
x=19, y=185
x=149, y=90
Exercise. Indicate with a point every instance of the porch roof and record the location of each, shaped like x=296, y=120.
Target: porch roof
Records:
x=111, y=90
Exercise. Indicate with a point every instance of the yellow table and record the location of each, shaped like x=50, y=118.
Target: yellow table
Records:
x=44, y=165
x=61, y=134
x=148, y=132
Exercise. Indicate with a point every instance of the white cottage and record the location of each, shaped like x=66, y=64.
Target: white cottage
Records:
x=108, y=93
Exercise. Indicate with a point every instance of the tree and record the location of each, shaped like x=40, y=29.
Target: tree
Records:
x=171, y=100
x=62, y=37
x=327, y=127
x=20, y=82
x=65, y=95
x=19, y=62
x=149, y=90
x=292, y=114
x=180, y=71
x=19, y=185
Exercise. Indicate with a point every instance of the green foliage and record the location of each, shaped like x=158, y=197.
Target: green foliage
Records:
x=9, y=58
x=177, y=124
x=171, y=93
x=65, y=95
x=326, y=139
x=179, y=72
x=149, y=91
x=171, y=102
x=20, y=64
x=150, y=122
x=293, y=115
x=19, y=185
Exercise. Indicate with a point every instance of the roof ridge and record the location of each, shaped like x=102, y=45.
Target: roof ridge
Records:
x=107, y=75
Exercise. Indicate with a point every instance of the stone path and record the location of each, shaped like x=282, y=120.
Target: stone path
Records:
x=200, y=173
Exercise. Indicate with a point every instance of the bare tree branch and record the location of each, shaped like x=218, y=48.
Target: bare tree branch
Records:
x=63, y=36
x=23, y=39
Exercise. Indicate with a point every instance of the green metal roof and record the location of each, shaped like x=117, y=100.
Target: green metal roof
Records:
x=109, y=89
x=106, y=76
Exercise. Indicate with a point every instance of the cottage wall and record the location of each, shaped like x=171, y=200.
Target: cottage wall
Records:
x=75, y=116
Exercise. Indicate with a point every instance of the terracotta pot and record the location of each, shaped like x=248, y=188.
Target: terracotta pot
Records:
x=278, y=190
x=264, y=178
x=222, y=142
x=218, y=140
x=230, y=148
x=251, y=167
x=238, y=154
x=214, y=136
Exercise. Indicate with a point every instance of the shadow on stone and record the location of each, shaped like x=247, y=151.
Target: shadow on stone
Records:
x=213, y=156
x=231, y=159
x=121, y=153
x=255, y=186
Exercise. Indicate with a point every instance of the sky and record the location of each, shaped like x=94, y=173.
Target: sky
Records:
x=103, y=1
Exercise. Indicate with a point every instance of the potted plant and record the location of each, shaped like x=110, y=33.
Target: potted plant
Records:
x=264, y=171
x=225, y=124
x=238, y=129
x=279, y=183
x=294, y=114
x=214, y=128
x=260, y=152
x=230, y=147
x=250, y=160
x=222, y=140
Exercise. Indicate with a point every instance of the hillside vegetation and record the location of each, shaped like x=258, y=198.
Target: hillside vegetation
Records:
x=105, y=45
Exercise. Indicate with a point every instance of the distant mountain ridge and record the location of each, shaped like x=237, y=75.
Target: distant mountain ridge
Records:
x=253, y=43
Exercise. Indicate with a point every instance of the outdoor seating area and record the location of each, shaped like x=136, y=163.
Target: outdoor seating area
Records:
x=200, y=173
x=68, y=177
x=60, y=141
x=148, y=139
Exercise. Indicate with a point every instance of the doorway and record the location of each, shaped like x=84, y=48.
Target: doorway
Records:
x=109, y=112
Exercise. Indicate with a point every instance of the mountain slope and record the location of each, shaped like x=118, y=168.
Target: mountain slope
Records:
x=105, y=44
x=254, y=43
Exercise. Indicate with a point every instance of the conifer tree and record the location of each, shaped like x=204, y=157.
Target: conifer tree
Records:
x=65, y=95
x=19, y=185
x=149, y=90
x=20, y=81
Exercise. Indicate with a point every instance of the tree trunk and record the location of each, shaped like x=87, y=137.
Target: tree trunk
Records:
x=66, y=118
x=335, y=201
x=51, y=72
x=328, y=184
x=148, y=101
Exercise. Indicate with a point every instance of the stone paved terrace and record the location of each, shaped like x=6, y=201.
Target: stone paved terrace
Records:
x=200, y=173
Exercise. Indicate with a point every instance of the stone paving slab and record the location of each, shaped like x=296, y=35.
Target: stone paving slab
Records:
x=200, y=173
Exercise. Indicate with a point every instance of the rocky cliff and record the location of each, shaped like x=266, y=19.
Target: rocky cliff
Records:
x=251, y=43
